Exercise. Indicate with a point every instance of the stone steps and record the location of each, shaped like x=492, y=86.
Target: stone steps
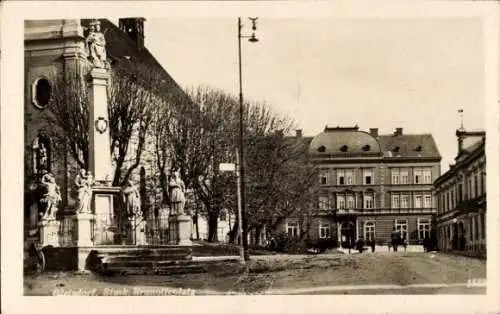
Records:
x=148, y=270
x=138, y=258
x=146, y=260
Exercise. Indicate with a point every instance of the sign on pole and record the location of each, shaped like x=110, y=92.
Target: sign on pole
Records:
x=227, y=167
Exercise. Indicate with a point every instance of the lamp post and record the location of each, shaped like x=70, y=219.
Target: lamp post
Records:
x=243, y=222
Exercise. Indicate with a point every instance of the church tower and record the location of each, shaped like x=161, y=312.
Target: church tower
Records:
x=134, y=28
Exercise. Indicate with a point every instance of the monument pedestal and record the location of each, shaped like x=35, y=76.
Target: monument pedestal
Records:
x=102, y=203
x=180, y=230
x=49, y=232
x=84, y=229
x=184, y=226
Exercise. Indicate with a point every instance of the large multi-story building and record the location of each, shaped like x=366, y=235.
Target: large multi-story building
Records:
x=371, y=184
x=461, y=198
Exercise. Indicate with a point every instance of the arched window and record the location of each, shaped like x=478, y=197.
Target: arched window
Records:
x=41, y=92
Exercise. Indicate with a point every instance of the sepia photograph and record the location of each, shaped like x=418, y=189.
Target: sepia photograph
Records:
x=253, y=154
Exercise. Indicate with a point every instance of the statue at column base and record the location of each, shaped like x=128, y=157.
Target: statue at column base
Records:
x=84, y=182
x=50, y=198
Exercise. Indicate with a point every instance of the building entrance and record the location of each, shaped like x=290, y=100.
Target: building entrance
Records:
x=347, y=234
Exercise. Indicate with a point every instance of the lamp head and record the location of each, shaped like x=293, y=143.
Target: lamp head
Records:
x=253, y=39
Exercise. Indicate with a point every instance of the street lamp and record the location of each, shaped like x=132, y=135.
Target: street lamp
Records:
x=241, y=162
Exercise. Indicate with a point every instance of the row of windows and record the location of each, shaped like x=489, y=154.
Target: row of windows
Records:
x=474, y=229
x=398, y=200
x=369, y=229
x=421, y=175
x=346, y=201
x=474, y=187
x=419, y=200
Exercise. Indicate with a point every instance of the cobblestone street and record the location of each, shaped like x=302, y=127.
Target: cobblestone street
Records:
x=377, y=273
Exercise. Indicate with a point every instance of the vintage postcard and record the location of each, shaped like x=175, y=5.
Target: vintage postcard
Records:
x=267, y=155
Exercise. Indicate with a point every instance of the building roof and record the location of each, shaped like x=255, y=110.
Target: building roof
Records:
x=410, y=145
x=344, y=141
x=467, y=156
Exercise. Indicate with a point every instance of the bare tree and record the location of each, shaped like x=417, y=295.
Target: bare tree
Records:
x=133, y=92
x=69, y=106
x=196, y=133
x=203, y=132
x=280, y=181
x=132, y=98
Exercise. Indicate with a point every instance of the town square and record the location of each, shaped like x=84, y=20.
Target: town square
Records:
x=252, y=155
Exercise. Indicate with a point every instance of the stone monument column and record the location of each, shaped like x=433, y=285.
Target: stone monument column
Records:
x=99, y=139
x=99, y=150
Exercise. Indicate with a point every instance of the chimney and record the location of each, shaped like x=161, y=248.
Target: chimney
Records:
x=298, y=133
x=134, y=28
x=399, y=131
x=374, y=132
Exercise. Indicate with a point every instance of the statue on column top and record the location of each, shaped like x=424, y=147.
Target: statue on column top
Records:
x=96, y=46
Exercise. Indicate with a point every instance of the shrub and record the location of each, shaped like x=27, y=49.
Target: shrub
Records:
x=282, y=243
x=321, y=245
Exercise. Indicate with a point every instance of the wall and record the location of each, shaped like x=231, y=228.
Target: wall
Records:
x=51, y=48
x=223, y=227
x=384, y=226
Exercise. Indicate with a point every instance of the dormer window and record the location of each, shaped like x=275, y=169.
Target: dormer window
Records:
x=396, y=149
x=343, y=148
x=366, y=148
x=418, y=148
x=321, y=149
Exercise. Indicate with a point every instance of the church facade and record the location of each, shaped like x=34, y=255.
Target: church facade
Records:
x=55, y=49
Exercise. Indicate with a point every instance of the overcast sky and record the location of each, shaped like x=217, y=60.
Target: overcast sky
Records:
x=386, y=73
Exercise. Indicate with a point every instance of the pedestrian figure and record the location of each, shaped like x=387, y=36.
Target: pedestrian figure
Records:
x=359, y=245
x=405, y=243
x=395, y=238
x=425, y=244
x=372, y=245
